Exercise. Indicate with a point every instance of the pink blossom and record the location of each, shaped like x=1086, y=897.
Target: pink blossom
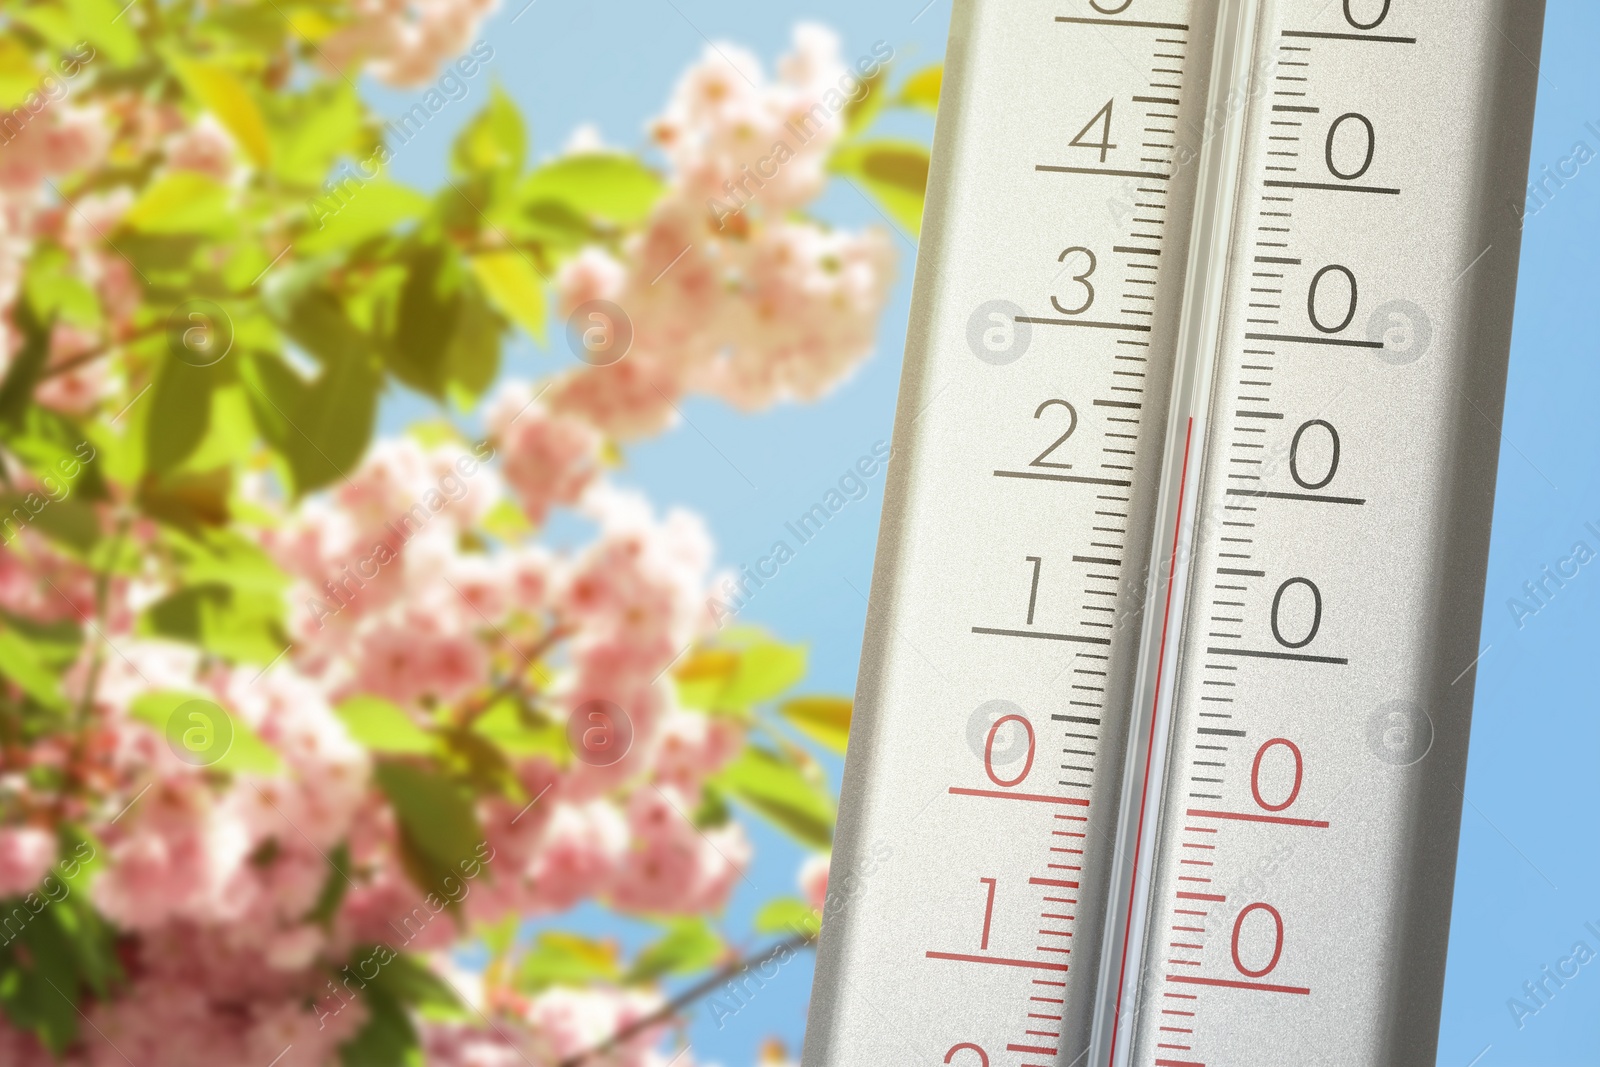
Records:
x=405, y=42
x=582, y=847
x=592, y=274
x=673, y=866
x=548, y=459
x=205, y=148
x=26, y=854
x=814, y=880
x=694, y=746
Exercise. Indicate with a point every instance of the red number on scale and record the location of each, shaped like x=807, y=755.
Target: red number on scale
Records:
x=967, y=1046
x=1277, y=940
x=988, y=910
x=988, y=751
x=1255, y=773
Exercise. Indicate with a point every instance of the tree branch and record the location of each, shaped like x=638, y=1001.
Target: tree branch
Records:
x=687, y=997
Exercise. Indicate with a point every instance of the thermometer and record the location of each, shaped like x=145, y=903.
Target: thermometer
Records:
x=1162, y=716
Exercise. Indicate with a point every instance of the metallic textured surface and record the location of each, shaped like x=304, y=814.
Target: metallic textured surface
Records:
x=1371, y=719
x=971, y=895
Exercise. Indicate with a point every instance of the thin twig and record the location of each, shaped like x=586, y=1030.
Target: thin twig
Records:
x=684, y=999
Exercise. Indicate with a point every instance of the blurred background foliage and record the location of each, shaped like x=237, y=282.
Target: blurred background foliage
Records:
x=209, y=281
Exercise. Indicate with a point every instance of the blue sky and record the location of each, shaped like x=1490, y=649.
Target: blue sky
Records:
x=1529, y=875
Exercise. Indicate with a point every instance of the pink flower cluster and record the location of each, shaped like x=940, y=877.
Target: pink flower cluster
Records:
x=409, y=583
x=404, y=42
x=214, y=880
x=394, y=606
x=64, y=139
x=727, y=290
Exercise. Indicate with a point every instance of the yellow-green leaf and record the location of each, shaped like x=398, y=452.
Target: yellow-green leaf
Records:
x=518, y=735
x=514, y=287
x=605, y=184
x=495, y=140
x=358, y=213
x=106, y=24
x=922, y=88
x=219, y=90
x=18, y=76
x=766, y=669
x=435, y=813
x=776, y=788
x=895, y=172
x=181, y=202
x=689, y=945
x=567, y=959
x=21, y=663
x=788, y=915
x=245, y=752
x=382, y=727
x=825, y=720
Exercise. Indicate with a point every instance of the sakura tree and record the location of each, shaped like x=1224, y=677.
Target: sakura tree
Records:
x=289, y=716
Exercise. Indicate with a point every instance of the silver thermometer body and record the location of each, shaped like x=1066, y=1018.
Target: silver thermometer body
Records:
x=982, y=785
x=1161, y=721
x=1312, y=703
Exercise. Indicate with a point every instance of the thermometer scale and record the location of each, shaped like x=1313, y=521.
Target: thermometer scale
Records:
x=1162, y=715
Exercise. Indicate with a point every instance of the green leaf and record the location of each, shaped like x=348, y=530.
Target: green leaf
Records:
x=896, y=172
x=776, y=789
x=249, y=754
x=18, y=75
x=433, y=810
x=180, y=413
x=703, y=676
x=765, y=669
x=498, y=937
x=321, y=427
x=57, y=955
x=515, y=288
x=55, y=287
x=427, y=317
x=226, y=557
x=518, y=733
x=230, y=437
x=182, y=202
x=369, y=210
x=922, y=88
x=189, y=500
x=57, y=644
x=16, y=392
x=238, y=625
x=387, y=1039
x=219, y=90
x=825, y=720
x=82, y=857
x=53, y=446
x=495, y=141
x=333, y=888
x=98, y=20
x=567, y=959
x=312, y=130
x=607, y=185
x=745, y=668
x=474, y=358
x=54, y=23
x=689, y=945
x=788, y=915
x=410, y=981
x=22, y=662
x=246, y=752
x=861, y=110
x=70, y=522
x=382, y=727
